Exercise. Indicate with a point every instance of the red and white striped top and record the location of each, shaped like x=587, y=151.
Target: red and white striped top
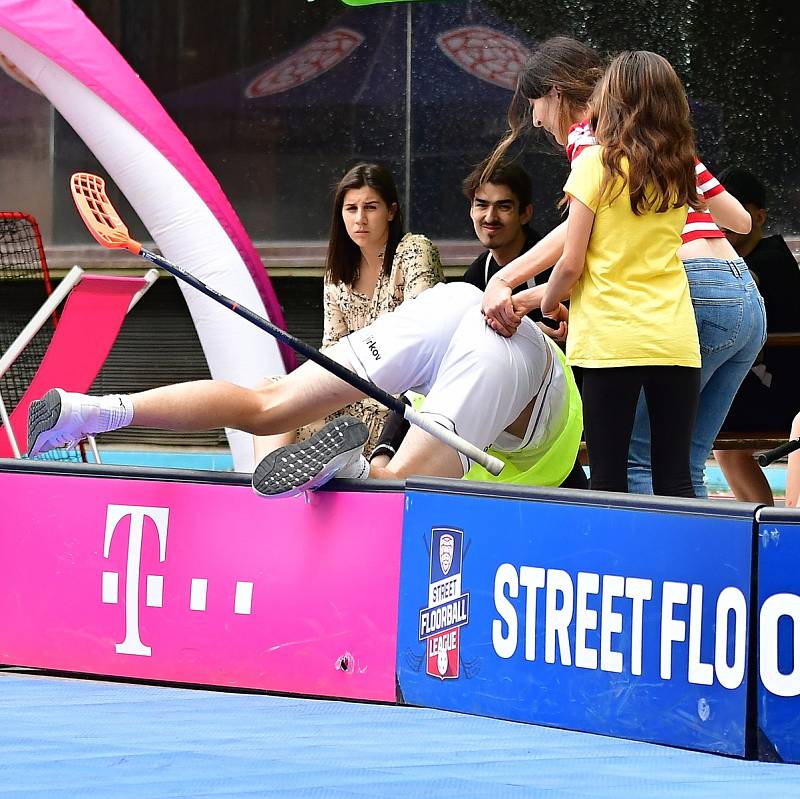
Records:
x=579, y=137
x=699, y=224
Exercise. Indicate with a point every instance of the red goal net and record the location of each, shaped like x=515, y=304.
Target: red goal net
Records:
x=24, y=286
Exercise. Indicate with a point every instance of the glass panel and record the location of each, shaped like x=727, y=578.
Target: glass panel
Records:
x=465, y=59
x=25, y=128
x=735, y=58
x=279, y=125
x=280, y=97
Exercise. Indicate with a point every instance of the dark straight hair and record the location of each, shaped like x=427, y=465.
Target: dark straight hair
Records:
x=561, y=63
x=344, y=255
x=506, y=174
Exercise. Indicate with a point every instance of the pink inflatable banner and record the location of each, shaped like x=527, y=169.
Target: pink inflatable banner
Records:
x=201, y=583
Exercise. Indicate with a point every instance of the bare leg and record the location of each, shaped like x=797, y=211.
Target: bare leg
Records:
x=793, y=469
x=307, y=394
x=744, y=476
x=263, y=445
x=379, y=462
x=422, y=454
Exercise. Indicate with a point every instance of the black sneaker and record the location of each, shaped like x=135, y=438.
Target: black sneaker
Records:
x=299, y=467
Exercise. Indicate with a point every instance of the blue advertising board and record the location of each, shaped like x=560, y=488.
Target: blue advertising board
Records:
x=779, y=634
x=588, y=611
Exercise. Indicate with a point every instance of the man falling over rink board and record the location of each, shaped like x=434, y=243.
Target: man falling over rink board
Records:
x=516, y=394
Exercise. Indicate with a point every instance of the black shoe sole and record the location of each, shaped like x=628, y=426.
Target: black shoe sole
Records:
x=43, y=415
x=305, y=465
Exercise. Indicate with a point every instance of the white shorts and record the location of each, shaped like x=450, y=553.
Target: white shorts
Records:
x=474, y=381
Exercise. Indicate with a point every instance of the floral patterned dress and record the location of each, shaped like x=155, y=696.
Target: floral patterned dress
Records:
x=416, y=266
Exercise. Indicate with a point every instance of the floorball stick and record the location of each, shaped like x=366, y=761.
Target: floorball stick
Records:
x=108, y=229
x=765, y=458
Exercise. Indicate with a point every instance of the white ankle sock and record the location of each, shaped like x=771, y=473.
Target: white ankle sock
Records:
x=358, y=470
x=115, y=411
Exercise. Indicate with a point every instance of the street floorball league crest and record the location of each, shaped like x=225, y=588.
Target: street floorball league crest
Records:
x=448, y=608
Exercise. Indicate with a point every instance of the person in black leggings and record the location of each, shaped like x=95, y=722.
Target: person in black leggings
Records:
x=610, y=398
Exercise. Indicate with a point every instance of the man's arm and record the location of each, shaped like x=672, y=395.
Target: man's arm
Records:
x=793, y=470
x=497, y=306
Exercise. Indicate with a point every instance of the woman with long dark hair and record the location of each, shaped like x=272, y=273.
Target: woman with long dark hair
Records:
x=372, y=265
x=553, y=92
x=631, y=319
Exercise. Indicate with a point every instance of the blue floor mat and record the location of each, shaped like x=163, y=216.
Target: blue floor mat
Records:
x=78, y=738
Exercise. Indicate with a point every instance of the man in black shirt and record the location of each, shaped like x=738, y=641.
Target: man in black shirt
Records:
x=768, y=257
x=501, y=211
x=770, y=394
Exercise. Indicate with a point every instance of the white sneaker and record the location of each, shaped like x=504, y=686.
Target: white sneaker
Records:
x=299, y=467
x=58, y=419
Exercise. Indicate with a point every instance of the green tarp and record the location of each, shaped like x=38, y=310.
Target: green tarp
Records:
x=375, y=2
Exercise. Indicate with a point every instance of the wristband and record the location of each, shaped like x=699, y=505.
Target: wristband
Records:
x=382, y=449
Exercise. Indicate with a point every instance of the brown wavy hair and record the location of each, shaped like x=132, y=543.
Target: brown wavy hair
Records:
x=640, y=114
x=344, y=255
x=561, y=63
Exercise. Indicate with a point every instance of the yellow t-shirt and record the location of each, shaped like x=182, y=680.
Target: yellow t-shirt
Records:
x=631, y=306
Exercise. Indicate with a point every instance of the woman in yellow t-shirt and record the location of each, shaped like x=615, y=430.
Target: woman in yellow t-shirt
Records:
x=631, y=320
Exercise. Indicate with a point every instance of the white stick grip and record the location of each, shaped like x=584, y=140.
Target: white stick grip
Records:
x=489, y=462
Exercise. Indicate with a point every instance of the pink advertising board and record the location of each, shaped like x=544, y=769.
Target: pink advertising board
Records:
x=201, y=583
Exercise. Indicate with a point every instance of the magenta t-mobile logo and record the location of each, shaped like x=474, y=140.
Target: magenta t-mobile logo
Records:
x=154, y=583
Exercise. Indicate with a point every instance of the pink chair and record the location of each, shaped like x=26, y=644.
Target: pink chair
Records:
x=87, y=328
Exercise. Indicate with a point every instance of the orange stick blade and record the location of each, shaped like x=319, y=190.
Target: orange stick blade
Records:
x=99, y=216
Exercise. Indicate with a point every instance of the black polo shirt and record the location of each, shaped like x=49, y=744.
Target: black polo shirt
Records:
x=485, y=267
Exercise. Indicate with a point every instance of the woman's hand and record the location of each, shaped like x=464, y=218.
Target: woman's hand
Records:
x=530, y=299
x=498, y=309
x=561, y=316
x=550, y=304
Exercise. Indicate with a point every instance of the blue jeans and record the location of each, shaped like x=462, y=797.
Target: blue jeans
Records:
x=732, y=327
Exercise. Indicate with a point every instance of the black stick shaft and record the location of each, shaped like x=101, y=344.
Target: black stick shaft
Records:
x=370, y=389
x=494, y=465
x=765, y=458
